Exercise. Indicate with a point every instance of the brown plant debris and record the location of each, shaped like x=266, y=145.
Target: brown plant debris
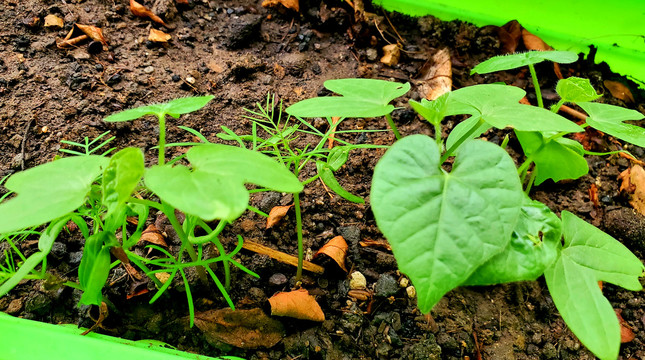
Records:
x=247, y=329
x=152, y=235
x=391, y=54
x=336, y=249
x=158, y=36
x=626, y=333
x=297, y=304
x=619, y=91
x=289, y=4
x=633, y=183
x=281, y=257
x=142, y=11
x=436, y=75
x=276, y=214
x=53, y=21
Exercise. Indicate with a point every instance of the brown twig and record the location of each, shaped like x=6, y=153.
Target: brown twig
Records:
x=573, y=112
x=22, y=144
x=281, y=257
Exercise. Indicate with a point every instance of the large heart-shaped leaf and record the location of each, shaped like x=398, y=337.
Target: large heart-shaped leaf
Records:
x=513, y=61
x=610, y=119
x=173, y=108
x=588, y=256
x=442, y=226
x=48, y=191
x=534, y=246
x=498, y=106
x=360, y=98
x=557, y=159
x=214, y=187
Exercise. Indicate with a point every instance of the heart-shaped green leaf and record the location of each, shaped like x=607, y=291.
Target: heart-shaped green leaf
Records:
x=214, y=188
x=498, y=106
x=589, y=255
x=360, y=98
x=513, y=61
x=442, y=226
x=557, y=159
x=609, y=119
x=173, y=108
x=575, y=89
x=534, y=246
x=48, y=191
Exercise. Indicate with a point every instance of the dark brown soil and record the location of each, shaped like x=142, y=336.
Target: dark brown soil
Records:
x=239, y=52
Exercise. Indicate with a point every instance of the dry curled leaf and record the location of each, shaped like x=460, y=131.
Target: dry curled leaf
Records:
x=162, y=276
x=533, y=42
x=94, y=33
x=142, y=11
x=289, y=4
x=436, y=75
x=619, y=91
x=276, y=214
x=52, y=20
x=626, y=333
x=391, y=54
x=593, y=195
x=509, y=36
x=633, y=182
x=158, y=36
x=152, y=235
x=247, y=329
x=376, y=243
x=336, y=249
x=297, y=304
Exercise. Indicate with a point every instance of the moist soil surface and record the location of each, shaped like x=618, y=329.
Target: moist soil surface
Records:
x=239, y=52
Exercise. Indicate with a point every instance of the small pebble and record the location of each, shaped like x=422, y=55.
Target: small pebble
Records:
x=372, y=54
x=148, y=70
x=191, y=80
x=357, y=281
x=176, y=78
x=404, y=282
x=411, y=291
x=386, y=286
x=278, y=279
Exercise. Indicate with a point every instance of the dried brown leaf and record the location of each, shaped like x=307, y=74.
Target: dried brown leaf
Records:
x=436, y=75
x=593, y=195
x=152, y=235
x=94, y=33
x=297, y=304
x=391, y=54
x=142, y=11
x=626, y=333
x=360, y=294
x=336, y=249
x=533, y=42
x=376, y=243
x=276, y=214
x=289, y=4
x=158, y=36
x=633, y=182
x=70, y=42
x=619, y=91
x=509, y=36
x=52, y=20
x=247, y=329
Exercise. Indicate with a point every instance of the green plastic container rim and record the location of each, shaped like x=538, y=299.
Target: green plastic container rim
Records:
x=616, y=28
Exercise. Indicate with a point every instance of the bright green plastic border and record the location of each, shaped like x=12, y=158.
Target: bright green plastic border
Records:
x=616, y=28
x=22, y=339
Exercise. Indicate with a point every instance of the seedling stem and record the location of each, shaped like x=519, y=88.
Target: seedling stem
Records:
x=536, y=85
x=393, y=126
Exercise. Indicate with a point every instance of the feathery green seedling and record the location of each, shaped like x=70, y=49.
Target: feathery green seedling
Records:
x=475, y=225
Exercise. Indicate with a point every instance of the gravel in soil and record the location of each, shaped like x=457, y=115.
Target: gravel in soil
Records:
x=239, y=52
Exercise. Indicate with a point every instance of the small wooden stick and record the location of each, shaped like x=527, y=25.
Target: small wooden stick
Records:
x=573, y=112
x=281, y=257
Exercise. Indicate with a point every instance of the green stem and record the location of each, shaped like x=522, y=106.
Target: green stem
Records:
x=169, y=211
x=311, y=179
x=301, y=255
x=461, y=140
x=536, y=85
x=393, y=126
x=525, y=165
x=556, y=107
x=529, y=185
x=257, y=211
x=162, y=139
x=437, y=135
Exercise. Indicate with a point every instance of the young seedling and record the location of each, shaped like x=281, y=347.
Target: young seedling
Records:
x=360, y=98
x=475, y=226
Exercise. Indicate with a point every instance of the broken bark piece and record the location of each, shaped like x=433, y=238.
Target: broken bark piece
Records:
x=633, y=183
x=391, y=54
x=297, y=304
x=246, y=329
x=142, y=11
x=436, y=75
x=158, y=36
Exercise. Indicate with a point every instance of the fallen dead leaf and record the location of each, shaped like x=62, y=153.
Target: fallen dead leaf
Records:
x=289, y=4
x=391, y=54
x=593, y=195
x=158, y=36
x=246, y=329
x=633, y=182
x=162, y=276
x=279, y=71
x=360, y=294
x=626, y=333
x=152, y=235
x=182, y=2
x=376, y=243
x=436, y=75
x=533, y=42
x=336, y=249
x=297, y=304
x=276, y=214
x=52, y=20
x=619, y=91
x=94, y=33
x=631, y=158
x=509, y=36
x=142, y=11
